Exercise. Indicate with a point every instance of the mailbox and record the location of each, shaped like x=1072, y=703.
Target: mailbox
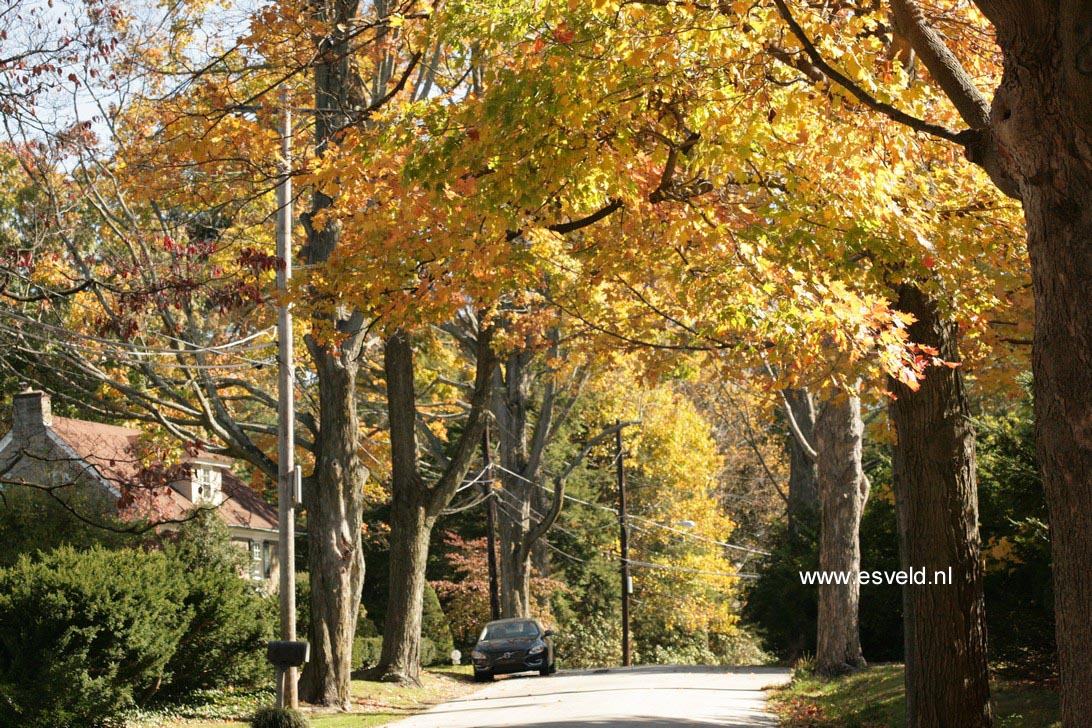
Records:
x=284, y=654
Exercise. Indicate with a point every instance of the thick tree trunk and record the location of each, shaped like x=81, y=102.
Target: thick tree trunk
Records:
x=334, y=498
x=937, y=507
x=335, y=554
x=1041, y=125
x=411, y=528
x=515, y=573
x=843, y=491
x=520, y=453
x=803, y=469
x=1060, y=239
x=415, y=503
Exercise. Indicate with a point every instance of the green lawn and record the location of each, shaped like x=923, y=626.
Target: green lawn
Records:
x=373, y=703
x=873, y=698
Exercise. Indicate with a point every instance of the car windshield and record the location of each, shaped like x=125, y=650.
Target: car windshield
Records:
x=509, y=631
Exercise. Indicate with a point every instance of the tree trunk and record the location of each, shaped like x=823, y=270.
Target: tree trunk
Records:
x=937, y=507
x=416, y=504
x=843, y=491
x=803, y=469
x=1040, y=123
x=411, y=528
x=334, y=498
x=335, y=554
x=520, y=452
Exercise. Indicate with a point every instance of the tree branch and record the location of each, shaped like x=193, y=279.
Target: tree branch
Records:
x=550, y=517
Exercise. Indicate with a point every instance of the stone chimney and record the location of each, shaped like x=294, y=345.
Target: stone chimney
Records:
x=31, y=413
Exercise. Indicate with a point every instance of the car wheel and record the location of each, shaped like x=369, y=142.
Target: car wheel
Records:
x=483, y=676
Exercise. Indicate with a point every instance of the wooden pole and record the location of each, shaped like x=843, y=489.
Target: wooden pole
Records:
x=287, y=693
x=491, y=528
x=624, y=547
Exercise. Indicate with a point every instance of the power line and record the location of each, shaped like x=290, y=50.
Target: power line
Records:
x=510, y=509
x=649, y=521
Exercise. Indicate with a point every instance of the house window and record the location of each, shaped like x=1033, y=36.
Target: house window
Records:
x=256, y=569
x=206, y=485
x=269, y=556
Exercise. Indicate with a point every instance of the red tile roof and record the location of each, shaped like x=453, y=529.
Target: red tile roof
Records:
x=115, y=453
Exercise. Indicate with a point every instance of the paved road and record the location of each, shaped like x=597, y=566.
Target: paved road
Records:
x=639, y=697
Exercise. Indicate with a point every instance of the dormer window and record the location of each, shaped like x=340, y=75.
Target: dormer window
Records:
x=207, y=484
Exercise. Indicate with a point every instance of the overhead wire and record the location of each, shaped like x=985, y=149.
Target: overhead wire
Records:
x=630, y=516
x=509, y=508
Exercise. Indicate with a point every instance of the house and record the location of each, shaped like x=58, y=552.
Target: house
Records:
x=102, y=466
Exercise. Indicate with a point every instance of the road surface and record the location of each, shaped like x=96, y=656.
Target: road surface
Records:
x=638, y=697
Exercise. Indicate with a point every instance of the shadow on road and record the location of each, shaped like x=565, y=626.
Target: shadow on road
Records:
x=642, y=722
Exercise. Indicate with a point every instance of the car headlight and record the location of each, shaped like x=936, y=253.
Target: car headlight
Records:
x=536, y=649
x=477, y=655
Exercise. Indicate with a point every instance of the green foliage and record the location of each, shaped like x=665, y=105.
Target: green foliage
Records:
x=206, y=705
x=31, y=522
x=1016, y=545
x=366, y=652
x=231, y=621
x=782, y=610
x=278, y=718
x=593, y=641
x=84, y=635
x=676, y=647
x=880, y=614
x=435, y=628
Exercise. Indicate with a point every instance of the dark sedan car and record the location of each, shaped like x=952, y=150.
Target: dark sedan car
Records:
x=513, y=645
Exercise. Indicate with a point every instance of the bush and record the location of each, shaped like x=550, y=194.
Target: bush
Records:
x=85, y=635
x=591, y=641
x=32, y=521
x=231, y=621
x=430, y=655
x=278, y=718
x=366, y=652
x=435, y=629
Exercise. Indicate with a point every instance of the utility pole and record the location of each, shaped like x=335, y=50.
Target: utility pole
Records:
x=287, y=692
x=627, y=583
x=491, y=528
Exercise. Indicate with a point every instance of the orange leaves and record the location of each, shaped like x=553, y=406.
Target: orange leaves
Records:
x=563, y=35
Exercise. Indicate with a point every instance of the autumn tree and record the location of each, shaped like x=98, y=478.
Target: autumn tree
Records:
x=1015, y=138
x=843, y=490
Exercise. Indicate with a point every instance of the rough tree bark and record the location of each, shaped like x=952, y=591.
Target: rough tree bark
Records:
x=937, y=508
x=521, y=446
x=511, y=405
x=415, y=503
x=803, y=469
x=1042, y=129
x=1035, y=141
x=334, y=503
x=843, y=491
x=333, y=497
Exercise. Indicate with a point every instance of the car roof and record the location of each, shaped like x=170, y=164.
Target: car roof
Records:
x=513, y=620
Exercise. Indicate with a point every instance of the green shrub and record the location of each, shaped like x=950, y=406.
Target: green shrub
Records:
x=366, y=652
x=278, y=718
x=231, y=621
x=593, y=641
x=435, y=628
x=85, y=635
x=430, y=655
x=32, y=521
